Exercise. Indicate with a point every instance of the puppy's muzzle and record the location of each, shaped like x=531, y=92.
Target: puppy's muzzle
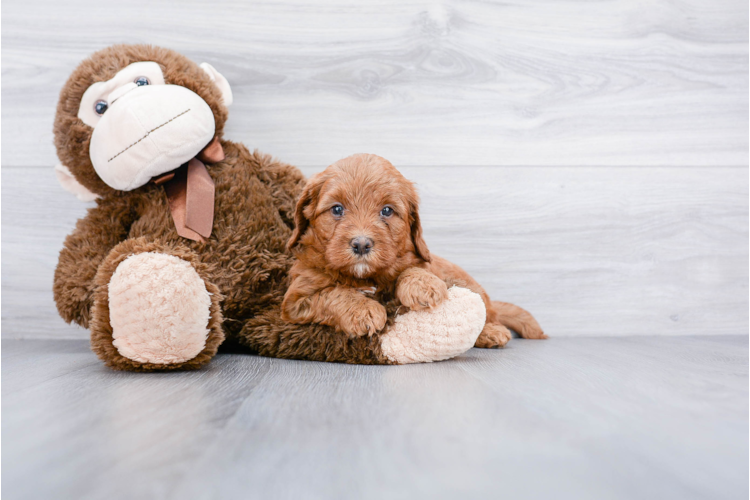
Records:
x=361, y=245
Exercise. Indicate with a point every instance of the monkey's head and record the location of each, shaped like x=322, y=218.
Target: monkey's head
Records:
x=133, y=112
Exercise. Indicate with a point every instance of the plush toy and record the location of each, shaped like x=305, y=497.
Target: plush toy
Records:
x=186, y=244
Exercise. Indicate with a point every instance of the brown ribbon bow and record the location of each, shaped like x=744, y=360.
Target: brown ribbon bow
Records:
x=190, y=191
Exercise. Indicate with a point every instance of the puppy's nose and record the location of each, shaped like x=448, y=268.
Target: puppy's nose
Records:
x=361, y=245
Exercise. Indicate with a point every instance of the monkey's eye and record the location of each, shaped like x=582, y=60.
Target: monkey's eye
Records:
x=100, y=107
x=337, y=210
x=142, y=80
x=386, y=212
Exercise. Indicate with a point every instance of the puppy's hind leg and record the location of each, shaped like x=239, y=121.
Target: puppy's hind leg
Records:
x=517, y=319
x=493, y=335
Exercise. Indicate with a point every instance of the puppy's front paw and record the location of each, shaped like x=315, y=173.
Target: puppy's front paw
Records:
x=366, y=319
x=493, y=336
x=421, y=291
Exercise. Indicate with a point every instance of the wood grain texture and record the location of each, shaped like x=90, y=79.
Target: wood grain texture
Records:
x=615, y=418
x=590, y=251
x=565, y=82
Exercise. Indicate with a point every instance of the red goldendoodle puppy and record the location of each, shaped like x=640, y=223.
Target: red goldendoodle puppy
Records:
x=358, y=240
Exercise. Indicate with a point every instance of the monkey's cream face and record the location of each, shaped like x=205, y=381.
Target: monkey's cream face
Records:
x=143, y=127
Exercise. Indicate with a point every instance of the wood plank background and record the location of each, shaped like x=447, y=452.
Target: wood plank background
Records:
x=587, y=160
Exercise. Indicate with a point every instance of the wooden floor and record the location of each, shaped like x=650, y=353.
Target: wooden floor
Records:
x=578, y=418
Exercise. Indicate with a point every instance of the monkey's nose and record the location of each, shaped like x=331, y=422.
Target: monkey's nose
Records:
x=120, y=91
x=361, y=245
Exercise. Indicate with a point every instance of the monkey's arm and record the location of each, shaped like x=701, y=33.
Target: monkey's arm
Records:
x=95, y=235
x=285, y=182
x=313, y=299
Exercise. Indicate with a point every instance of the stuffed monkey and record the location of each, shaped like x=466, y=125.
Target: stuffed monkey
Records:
x=186, y=244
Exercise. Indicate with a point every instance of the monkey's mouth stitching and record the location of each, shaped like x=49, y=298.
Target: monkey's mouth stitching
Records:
x=148, y=133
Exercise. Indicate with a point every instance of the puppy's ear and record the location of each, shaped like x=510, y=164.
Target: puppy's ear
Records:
x=420, y=247
x=308, y=197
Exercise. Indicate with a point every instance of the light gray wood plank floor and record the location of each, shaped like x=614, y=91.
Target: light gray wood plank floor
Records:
x=599, y=418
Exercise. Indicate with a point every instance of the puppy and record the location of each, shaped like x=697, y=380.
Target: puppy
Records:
x=358, y=242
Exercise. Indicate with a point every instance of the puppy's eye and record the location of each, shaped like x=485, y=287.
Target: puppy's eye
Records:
x=386, y=212
x=141, y=81
x=337, y=210
x=100, y=107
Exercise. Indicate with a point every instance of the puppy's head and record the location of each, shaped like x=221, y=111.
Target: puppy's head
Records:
x=362, y=215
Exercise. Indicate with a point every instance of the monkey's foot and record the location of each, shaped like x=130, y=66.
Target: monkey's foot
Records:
x=159, y=309
x=443, y=332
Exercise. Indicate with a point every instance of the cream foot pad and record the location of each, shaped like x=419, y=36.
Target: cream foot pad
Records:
x=444, y=332
x=158, y=309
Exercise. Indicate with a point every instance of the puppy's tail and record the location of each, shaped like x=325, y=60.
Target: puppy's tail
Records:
x=517, y=319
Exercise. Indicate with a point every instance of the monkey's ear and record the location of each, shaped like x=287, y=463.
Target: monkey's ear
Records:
x=70, y=184
x=220, y=81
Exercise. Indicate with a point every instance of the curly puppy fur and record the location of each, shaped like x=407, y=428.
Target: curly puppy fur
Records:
x=358, y=241
x=244, y=263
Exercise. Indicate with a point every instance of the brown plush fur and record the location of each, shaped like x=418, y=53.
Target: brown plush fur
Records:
x=244, y=263
x=350, y=202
